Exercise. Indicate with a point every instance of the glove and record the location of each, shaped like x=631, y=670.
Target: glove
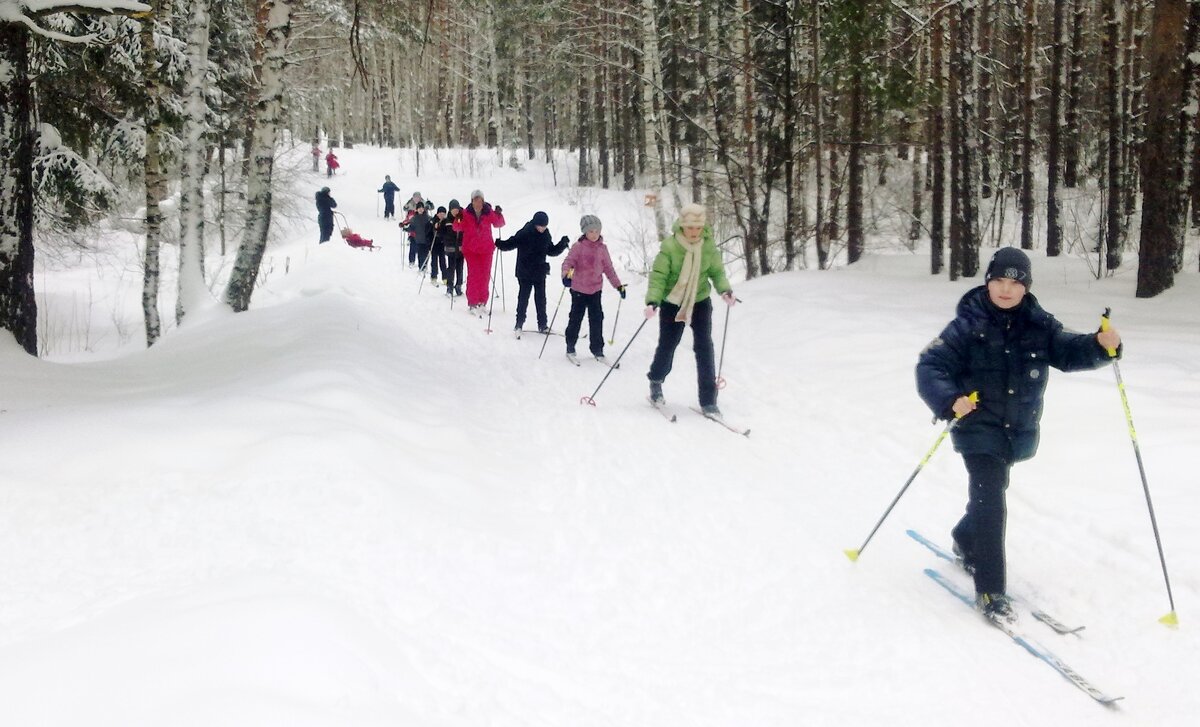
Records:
x=499, y=209
x=729, y=299
x=651, y=311
x=564, y=240
x=621, y=290
x=566, y=281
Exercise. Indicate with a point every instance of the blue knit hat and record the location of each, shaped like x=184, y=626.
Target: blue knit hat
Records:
x=1010, y=262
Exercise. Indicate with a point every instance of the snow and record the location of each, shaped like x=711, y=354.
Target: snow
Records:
x=352, y=506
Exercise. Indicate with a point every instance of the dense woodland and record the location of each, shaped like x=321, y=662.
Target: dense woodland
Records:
x=795, y=121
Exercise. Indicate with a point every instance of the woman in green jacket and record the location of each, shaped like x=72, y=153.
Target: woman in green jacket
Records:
x=688, y=265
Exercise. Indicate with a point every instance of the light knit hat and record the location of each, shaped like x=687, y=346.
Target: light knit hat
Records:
x=476, y=193
x=693, y=215
x=589, y=222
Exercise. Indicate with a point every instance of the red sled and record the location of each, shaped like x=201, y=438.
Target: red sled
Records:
x=353, y=239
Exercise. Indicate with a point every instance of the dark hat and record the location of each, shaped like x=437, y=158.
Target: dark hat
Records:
x=453, y=204
x=541, y=219
x=1010, y=262
x=440, y=209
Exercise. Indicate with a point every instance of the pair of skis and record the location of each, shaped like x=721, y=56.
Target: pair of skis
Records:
x=1026, y=642
x=669, y=415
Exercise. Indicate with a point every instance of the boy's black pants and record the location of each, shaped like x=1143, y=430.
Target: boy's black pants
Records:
x=537, y=286
x=980, y=532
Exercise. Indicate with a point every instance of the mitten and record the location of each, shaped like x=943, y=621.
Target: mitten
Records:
x=621, y=290
x=566, y=281
x=651, y=311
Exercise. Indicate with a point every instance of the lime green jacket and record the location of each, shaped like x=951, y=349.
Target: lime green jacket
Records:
x=669, y=261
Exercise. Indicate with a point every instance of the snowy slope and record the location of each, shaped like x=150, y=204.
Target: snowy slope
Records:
x=352, y=506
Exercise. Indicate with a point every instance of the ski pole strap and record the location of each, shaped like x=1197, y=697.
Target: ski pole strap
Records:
x=1104, y=326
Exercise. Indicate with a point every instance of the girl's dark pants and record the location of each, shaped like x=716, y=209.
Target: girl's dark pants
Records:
x=586, y=303
x=326, y=225
x=670, y=333
x=980, y=532
x=537, y=286
x=453, y=270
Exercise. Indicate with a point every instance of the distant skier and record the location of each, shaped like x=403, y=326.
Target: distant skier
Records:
x=325, y=207
x=331, y=163
x=533, y=244
x=316, y=157
x=437, y=251
x=583, y=271
x=476, y=225
x=389, y=190
x=687, y=267
x=1000, y=344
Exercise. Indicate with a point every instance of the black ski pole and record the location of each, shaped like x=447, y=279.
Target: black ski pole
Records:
x=1171, y=619
x=591, y=400
x=724, y=335
x=853, y=554
x=552, y=319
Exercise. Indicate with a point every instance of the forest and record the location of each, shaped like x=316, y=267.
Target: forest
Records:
x=817, y=131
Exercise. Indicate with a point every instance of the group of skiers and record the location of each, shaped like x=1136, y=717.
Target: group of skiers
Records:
x=986, y=372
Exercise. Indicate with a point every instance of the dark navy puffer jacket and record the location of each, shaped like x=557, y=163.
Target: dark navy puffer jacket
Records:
x=1006, y=356
x=532, y=248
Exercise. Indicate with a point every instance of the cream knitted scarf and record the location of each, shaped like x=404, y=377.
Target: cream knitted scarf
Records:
x=684, y=292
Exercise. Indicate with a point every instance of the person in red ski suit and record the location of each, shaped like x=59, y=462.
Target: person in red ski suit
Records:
x=331, y=163
x=475, y=224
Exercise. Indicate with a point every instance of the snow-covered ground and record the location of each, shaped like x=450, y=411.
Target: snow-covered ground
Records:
x=352, y=506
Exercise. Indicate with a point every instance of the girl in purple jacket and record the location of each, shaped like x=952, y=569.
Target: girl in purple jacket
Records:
x=584, y=270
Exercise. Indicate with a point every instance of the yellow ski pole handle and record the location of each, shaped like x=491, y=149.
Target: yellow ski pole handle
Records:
x=853, y=554
x=1105, y=325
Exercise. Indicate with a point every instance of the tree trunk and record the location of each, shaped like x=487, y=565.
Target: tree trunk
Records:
x=937, y=160
x=274, y=28
x=1161, y=162
x=1054, y=232
x=1112, y=100
x=155, y=175
x=18, y=305
x=192, y=290
x=1028, y=73
x=1070, y=133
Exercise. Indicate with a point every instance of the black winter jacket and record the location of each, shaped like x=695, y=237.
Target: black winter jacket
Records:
x=325, y=205
x=1005, y=356
x=532, y=249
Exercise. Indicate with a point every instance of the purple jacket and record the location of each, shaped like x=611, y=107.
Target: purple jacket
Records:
x=591, y=264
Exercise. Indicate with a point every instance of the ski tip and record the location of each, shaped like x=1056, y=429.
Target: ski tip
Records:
x=852, y=555
x=1170, y=620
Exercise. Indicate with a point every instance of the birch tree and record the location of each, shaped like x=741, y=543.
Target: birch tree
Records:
x=192, y=290
x=274, y=27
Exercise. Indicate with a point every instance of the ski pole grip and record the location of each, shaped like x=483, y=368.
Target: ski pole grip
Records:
x=1104, y=326
x=974, y=397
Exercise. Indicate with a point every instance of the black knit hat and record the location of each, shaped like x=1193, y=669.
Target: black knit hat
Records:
x=1010, y=262
x=440, y=209
x=541, y=219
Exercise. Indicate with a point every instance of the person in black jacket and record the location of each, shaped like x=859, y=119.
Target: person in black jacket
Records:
x=325, y=206
x=389, y=190
x=1001, y=345
x=420, y=230
x=533, y=244
x=451, y=240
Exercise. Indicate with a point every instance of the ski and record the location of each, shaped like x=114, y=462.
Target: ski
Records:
x=1050, y=621
x=606, y=363
x=1032, y=647
x=661, y=408
x=572, y=358
x=721, y=420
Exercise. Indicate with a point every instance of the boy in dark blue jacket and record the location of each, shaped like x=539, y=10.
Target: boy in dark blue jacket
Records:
x=533, y=244
x=1001, y=344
